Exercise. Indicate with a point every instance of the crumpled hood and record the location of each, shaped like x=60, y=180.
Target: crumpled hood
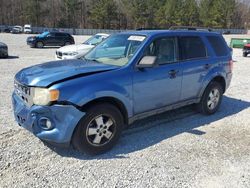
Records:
x=43, y=75
x=75, y=48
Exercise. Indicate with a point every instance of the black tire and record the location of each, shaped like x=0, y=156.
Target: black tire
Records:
x=205, y=106
x=83, y=141
x=67, y=43
x=244, y=54
x=39, y=44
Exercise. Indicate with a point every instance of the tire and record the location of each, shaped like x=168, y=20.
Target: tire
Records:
x=67, y=43
x=39, y=44
x=99, y=130
x=244, y=54
x=211, y=99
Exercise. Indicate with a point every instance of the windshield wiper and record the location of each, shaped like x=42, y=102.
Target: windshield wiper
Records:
x=94, y=60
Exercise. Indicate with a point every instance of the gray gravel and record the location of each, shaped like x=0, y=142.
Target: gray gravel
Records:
x=175, y=149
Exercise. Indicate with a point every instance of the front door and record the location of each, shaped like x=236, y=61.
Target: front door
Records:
x=158, y=86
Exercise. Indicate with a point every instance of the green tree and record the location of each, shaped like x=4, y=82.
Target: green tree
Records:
x=136, y=12
x=69, y=8
x=217, y=13
x=33, y=11
x=103, y=13
x=174, y=12
x=190, y=16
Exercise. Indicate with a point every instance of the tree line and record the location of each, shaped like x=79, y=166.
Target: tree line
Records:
x=126, y=14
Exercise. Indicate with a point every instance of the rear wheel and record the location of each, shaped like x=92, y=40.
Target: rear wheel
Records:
x=211, y=99
x=39, y=44
x=67, y=43
x=244, y=54
x=99, y=130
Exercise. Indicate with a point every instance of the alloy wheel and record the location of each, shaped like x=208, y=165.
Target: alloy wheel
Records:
x=213, y=99
x=100, y=130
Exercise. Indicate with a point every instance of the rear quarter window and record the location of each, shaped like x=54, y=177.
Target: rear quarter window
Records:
x=218, y=45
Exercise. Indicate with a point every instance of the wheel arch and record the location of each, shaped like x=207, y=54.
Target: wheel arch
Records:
x=216, y=78
x=110, y=100
x=221, y=80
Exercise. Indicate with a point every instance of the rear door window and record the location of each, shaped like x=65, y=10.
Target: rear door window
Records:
x=192, y=47
x=218, y=45
x=61, y=35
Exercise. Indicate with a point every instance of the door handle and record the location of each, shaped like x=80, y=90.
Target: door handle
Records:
x=173, y=73
x=207, y=66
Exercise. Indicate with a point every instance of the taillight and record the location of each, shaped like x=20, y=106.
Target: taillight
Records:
x=231, y=65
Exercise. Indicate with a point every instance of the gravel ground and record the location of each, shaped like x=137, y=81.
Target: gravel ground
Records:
x=175, y=149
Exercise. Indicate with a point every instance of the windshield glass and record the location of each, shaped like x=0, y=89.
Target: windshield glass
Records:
x=95, y=40
x=116, y=50
x=44, y=34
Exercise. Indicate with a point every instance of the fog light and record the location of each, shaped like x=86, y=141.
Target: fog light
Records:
x=45, y=123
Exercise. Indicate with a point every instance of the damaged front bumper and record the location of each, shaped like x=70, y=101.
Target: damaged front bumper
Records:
x=60, y=125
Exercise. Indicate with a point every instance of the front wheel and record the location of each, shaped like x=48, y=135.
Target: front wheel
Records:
x=211, y=99
x=39, y=44
x=99, y=130
x=244, y=54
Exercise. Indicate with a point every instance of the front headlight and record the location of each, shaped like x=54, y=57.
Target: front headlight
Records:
x=43, y=96
x=70, y=53
x=31, y=39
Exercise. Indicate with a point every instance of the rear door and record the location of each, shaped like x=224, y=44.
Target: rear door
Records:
x=195, y=64
x=60, y=39
x=49, y=40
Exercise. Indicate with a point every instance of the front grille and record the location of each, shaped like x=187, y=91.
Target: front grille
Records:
x=24, y=92
x=59, y=54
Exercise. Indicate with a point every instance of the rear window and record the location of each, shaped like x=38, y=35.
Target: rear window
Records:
x=61, y=35
x=192, y=48
x=218, y=44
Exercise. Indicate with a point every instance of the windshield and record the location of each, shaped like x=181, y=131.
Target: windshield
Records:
x=116, y=50
x=95, y=40
x=17, y=27
x=44, y=34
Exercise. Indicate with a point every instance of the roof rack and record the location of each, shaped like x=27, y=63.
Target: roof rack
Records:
x=147, y=28
x=190, y=28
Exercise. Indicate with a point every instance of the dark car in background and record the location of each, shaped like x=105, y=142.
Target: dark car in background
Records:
x=50, y=39
x=246, y=50
x=3, y=50
x=7, y=30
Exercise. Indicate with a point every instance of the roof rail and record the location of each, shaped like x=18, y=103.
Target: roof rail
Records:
x=190, y=28
x=148, y=28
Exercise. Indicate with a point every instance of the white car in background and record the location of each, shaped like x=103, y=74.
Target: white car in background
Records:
x=78, y=51
x=17, y=29
x=27, y=29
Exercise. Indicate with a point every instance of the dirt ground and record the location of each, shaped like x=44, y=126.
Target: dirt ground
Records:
x=176, y=149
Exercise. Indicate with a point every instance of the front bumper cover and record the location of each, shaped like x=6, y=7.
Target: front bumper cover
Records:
x=64, y=119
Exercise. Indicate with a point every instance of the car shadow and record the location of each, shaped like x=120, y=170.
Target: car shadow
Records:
x=11, y=57
x=152, y=130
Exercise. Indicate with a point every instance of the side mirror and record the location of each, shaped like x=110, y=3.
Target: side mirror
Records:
x=147, y=62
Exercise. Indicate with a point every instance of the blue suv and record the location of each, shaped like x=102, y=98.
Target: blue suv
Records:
x=129, y=76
